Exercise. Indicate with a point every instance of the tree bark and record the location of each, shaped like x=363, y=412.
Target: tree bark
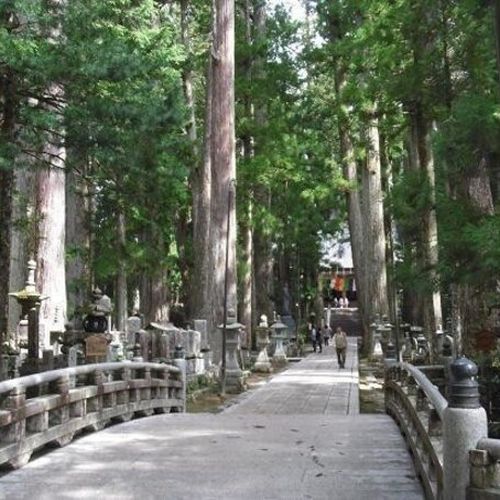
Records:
x=223, y=168
x=355, y=219
x=8, y=114
x=50, y=213
x=245, y=306
x=262, y=245
x=78, y=230
x=202, y=193
x=374, y=222
x=121, y=277
x=50, y=207
x=433, y=318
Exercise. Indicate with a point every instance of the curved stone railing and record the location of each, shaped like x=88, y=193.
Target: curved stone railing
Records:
x=51, y=407
x=417, y=406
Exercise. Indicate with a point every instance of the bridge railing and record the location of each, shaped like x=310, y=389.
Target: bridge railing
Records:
x=484, y=462
x=50, y=407
x=448, y=438
x=417, y=406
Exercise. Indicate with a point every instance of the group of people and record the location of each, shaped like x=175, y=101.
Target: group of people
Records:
x=342, y=302
x=321, y=336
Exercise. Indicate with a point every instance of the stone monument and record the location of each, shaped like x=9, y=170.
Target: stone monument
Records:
x=234, y=376
x=97, y=321
x=279, y=335
x=263, y=364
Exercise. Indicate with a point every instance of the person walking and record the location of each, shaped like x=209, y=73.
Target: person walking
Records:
x=340, y=340
x=319, y=338
x=326, y=335
x=312, y=335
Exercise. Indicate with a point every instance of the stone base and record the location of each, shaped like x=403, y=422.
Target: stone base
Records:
x=263, y=364
x=263, y=367
x=236, y=381
x=280, y=360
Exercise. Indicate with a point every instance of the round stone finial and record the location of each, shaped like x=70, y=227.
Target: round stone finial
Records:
x=447, y=349
x=464, y=390
x=30, y=280
x=179, y=352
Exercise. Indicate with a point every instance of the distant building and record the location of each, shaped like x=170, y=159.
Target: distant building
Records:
x=338, y=271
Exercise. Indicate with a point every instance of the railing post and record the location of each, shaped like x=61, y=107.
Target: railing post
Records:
x=180, y=362
x=16, y=432
x=464, y=423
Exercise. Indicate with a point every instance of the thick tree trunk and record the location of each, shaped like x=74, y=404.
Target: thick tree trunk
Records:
x=433, y=318
x=262, y=244
x=21, y=249
x=121, y=292
x=50, y=211
x=50, y=205
x=184, y=232
x=246, y=223
x=78, y=230
x=245, y=305
x=223, y=169
x=154, y=297
x=470, y=302
x=355, y=218
x=7, y=115
x=263, y=268
x=51, y=275
x=202, y=193
x=374, y=222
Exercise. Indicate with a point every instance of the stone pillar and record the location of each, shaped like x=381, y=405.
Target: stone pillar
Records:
x=263, y=364
x=464, y=424
x=376, y=347
x=279, y=335
x=234, y=374
x=180, y=362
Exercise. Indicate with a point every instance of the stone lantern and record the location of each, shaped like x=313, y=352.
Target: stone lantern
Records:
x=234, y=376
x=263, y=364
x=376, y=347
x=384, y=334
x=30, y=300
x=280, y=334
x=422, y=345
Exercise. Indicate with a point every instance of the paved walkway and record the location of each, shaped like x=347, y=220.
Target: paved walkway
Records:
x=298, y=437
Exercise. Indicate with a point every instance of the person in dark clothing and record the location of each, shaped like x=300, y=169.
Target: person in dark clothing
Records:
x=319, y=338
x=313, y=334
x=340, y=340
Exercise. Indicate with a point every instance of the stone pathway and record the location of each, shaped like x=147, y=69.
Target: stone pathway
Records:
x=300, y=436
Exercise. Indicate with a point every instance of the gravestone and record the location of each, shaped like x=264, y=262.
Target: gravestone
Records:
x=22, y=333
x=200, y=325
x=134, y=324
x=145, y=343
x=96, y=348
x=73, y=356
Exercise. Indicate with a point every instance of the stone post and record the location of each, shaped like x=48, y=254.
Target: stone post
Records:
x=376, y=347
x=263, y=364
x=30, y=301
x=279, y=328
x=464, y=424
x=234, y=376
x=180, y=361
x=390, y=355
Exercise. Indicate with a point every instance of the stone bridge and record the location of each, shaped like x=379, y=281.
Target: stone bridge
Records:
x=298, y=436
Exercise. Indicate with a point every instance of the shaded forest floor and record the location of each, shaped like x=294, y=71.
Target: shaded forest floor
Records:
x=371, y=386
